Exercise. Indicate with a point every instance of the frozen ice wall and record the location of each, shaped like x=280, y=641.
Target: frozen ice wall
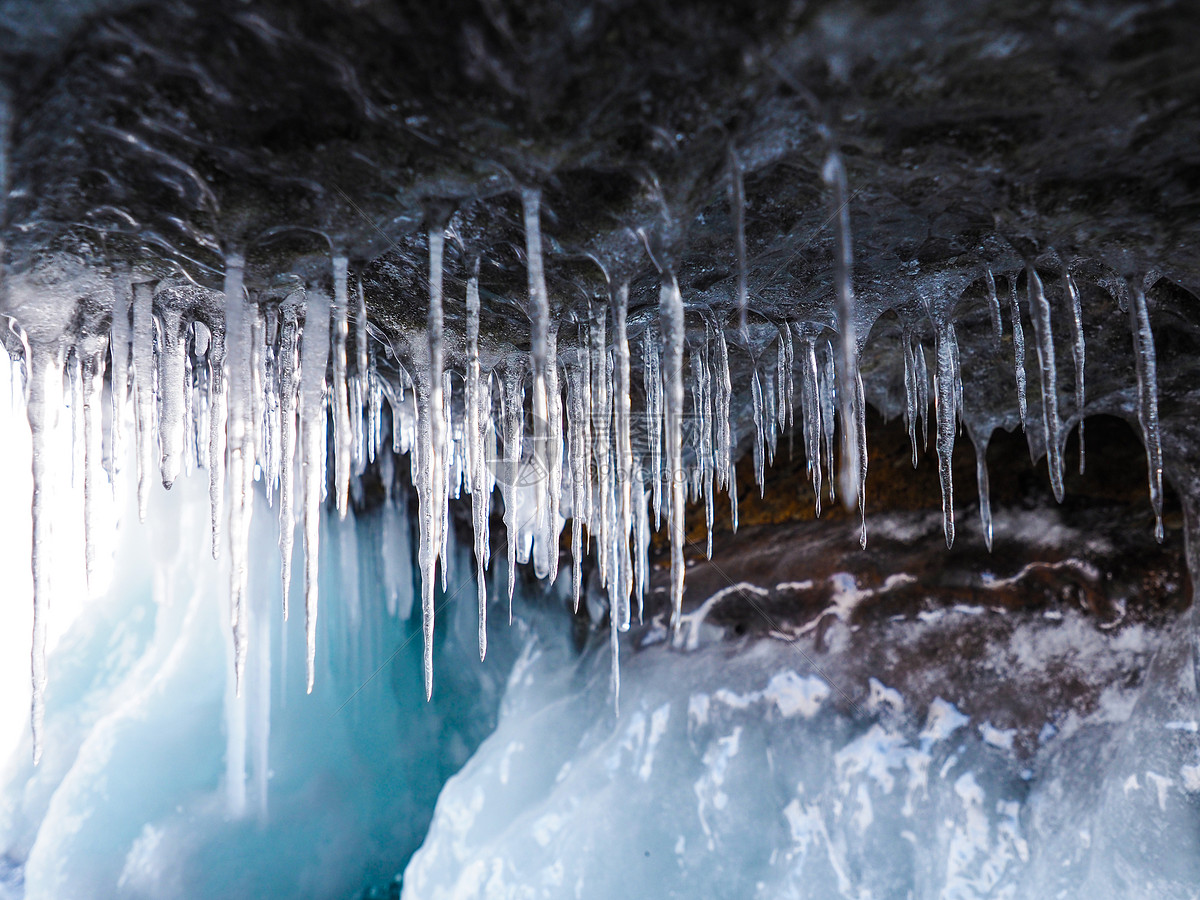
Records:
x=158, y=782
x=744, y=772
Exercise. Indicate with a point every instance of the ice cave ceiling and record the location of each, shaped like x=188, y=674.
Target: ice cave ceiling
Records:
x=665, y=237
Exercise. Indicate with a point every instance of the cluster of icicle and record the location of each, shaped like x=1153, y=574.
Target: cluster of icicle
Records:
x=242, y=391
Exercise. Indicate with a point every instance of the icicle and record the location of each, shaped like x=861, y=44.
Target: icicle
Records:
x=313, y=361
x=216, y=434
x=725, y=449
x=670, y=308
x=946, y=424
x=555, y=453
x=737, y=207
x=811, y=401
x=539, y=314
x=860, y=428
x=624, y=452
x=654, y=410
x=756, y=412
x=600, y=525
x=921, y=373
x=1018, y=348
x=994, y=309
x=171, y=389
x=143, y=370
x=343, y=436
x=579, y=453
x=93, y=382
x=476, y=423
x=847, y=357
x=45, y=399
x=981, y=478
x=1039, y=307
x=514, y=379
x=828, y=407
x=431, y=485
x=705, y=453
x=364, y=445
x=1147, y=378
x=1077, y=350
x=119, y=348
x=238, y=331
x=910, y=395
x=288, y=334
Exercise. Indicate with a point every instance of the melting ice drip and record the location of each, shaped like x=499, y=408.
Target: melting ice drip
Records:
x=243, y=385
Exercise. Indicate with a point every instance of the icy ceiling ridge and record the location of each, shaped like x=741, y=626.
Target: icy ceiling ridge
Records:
x=586, y=253
x=247, y=385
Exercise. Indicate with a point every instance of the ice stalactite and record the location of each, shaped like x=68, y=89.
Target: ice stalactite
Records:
x=725, y=450
x=834, y=174
x=1018, y=333
x=577, y=452
x=980, y=442
x=92, y=366
x=624, y=448
x=216, y=433
x=994, y=308
x=1146, y=363
x=289, y=338
x=600, y=416
x=343, y=435
x=431, y=485
x=670, y=307
x=540, y=358
x=810, y=402
x=171, y=354
x=828, y=397
x=947, y=425
x=1039, y=308
x=119, y=348
x=1079, y=354
x=910, y=394
x=860, y=429
x=513, y=415
x=478, y=404
x=313, y=360
x=238, y=340
x=652, y=379
x=143, y=372
x=42, y=408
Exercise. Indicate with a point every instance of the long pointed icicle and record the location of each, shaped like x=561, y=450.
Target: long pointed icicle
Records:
x=994, y=308
x=1018, y=348
x=238, y=332
x=313, y=360
x=670, y=308
x=981, y=479
x=476, y=422
x=1147, y=376
x=172, y=350
x=624, y=461
x=45, y=399
x=143, y=367
x=119, y=341
x=431, y=487
x=946, y=424
x=725, y=447
x=288, y=339
x=93, y=381
x=539, y=314
x=811, y=401
x=343, y=434
x=834, y=174
x=910, y=395
x=216, y=434
x=1078, y=352
x=1039, y=307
